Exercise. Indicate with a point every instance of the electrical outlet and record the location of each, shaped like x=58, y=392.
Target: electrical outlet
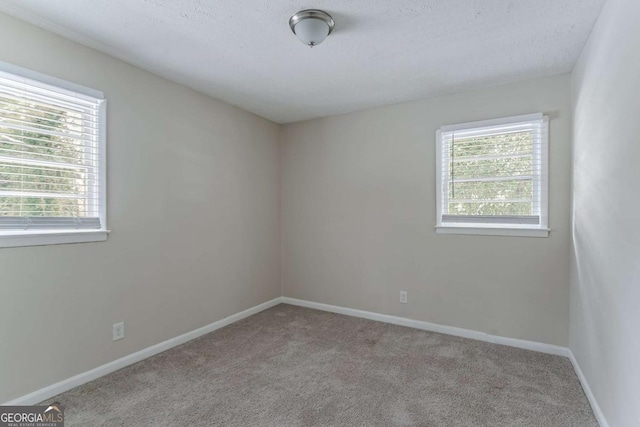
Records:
x=403, y=297
x=118, y=331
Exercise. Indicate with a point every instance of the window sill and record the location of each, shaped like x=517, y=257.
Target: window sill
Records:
x=13, y=239
x=492, y=230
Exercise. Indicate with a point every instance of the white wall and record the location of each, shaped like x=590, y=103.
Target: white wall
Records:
x=193, y=205
x=605, y=273
x=358, y=216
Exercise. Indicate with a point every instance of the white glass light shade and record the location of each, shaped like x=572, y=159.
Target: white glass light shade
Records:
x=312, y=31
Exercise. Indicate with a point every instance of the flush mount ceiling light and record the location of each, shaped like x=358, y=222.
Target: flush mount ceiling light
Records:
x=311, y=26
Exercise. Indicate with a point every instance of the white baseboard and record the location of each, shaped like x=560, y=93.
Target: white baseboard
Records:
x=433, y=327
x=77, y=380
x=587, y=390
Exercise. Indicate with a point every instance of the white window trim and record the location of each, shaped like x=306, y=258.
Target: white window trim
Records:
x=12, y=239
x=42, y=237
x=520, y=230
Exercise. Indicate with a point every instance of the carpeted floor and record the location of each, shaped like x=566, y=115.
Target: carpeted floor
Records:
x=292, y=366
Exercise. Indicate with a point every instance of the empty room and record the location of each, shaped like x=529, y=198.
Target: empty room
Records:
x=323, y=213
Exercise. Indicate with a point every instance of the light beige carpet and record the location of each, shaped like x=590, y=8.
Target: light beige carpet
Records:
x=292, y=366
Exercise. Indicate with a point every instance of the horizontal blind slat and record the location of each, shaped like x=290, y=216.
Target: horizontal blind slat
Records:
x=48, y=223
x=43, y=108
x=23, y=150
x=20, y=155
x=36, y=162
x=5, y=124
x=495, y=179
x=78, y=119
x=484, y=219
x=37, y=194
x=89, y=176
x=34, y=95
x=26, y=144
x=52, y=109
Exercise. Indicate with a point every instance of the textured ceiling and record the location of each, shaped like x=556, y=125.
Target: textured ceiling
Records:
x=381, y=52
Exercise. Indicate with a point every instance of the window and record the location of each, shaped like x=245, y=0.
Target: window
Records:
x=492, y=177
x=52, y=160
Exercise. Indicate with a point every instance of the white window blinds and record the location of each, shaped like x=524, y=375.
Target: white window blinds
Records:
x=51, y=157
x=494, y=173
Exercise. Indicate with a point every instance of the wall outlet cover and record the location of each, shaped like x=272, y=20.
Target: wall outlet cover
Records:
x=403, y=297
x=118, y=331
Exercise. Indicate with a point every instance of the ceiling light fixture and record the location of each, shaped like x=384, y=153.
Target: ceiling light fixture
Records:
x=311, y=26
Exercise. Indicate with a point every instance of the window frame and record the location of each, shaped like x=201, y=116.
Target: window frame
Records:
x=38, y=237
x=541, y=190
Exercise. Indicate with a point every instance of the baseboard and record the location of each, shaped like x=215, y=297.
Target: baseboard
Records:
x=433, y=327
x=587, y=390
x=77, y=380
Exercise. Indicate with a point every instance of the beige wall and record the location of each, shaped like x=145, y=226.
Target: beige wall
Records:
x=605, y=279
x=358, y=216
x=193, y=205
